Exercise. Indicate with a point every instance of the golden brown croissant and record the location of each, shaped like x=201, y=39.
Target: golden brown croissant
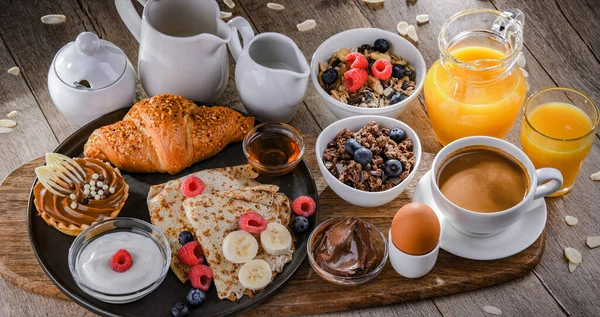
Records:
x=167, y=133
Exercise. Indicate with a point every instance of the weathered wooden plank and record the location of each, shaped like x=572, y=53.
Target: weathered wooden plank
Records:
x=332, y=17
x=32, y=137
x=583, y=17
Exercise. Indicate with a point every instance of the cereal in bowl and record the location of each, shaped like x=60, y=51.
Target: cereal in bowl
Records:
x=368, y=76
x=373, y=159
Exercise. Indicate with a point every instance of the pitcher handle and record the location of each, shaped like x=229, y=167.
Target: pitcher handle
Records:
x=239, y=24
x=555, y=182
x=130, y=16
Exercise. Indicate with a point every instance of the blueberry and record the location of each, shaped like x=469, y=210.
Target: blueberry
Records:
x=363, y=155
x=185, y=237
x=352, y=146
x=180, y=310
x=329, y=76
x=381, y=45
x=398, y=71
x=397, y=135
x=300, y=224
x=195, y=297
x=393, y=168
x=364, y=48
x=397, y=97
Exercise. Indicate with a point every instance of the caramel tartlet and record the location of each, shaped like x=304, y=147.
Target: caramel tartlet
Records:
x=78, y=210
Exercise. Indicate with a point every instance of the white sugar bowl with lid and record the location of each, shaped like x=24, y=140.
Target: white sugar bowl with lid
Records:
x=90, y=77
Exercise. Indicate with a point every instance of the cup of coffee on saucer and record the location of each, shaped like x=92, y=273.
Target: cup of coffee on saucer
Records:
x=482, y=185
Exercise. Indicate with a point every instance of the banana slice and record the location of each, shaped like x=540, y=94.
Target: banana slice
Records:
x=239, y=247
x=255, y=274
x=276, y=240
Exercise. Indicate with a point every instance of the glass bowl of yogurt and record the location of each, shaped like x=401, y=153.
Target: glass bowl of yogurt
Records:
x=90, y=254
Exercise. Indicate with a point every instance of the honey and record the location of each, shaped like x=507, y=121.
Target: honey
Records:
x=273, y=149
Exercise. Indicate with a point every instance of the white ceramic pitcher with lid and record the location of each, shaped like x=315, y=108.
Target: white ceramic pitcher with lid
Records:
x=182, y=47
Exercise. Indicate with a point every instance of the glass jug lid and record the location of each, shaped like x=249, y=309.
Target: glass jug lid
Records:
x=90, y=63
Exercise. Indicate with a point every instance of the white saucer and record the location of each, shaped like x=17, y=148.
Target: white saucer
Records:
x=510, y=241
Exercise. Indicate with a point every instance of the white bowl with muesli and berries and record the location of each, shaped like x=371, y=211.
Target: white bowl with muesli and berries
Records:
x=367, y=71
x=368, y=160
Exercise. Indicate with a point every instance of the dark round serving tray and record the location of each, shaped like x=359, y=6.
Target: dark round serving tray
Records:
x=51, y=246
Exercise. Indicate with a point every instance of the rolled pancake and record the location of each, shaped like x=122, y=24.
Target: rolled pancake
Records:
x=215, y=215
x=165, y=204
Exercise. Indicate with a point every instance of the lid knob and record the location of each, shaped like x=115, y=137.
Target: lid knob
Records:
x=88, y=43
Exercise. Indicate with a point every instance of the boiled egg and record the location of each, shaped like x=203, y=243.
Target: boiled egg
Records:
x=415, y=229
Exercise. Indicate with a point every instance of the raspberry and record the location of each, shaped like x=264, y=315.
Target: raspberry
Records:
x=304, y=206
x=252, y=222
x=382, y=69
x=192, y=186
x=355, y=78
x=357, y=60
x=191, y=254
x=121, y=261
x=201, y=276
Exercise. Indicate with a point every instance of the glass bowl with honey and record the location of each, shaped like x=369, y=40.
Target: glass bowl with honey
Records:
x=273, y=148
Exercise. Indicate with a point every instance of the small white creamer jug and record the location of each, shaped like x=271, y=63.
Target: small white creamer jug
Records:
x=271, y=74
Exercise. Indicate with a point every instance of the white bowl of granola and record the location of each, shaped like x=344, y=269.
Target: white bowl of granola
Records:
x=368, y=181
x=379, y=95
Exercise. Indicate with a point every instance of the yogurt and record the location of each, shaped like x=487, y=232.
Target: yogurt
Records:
x=93, y=263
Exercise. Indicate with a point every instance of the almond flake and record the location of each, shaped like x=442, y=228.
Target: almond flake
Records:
x=412, y=33
x=307, y=25
x=521, y=60
x=596, y=176
x=593, y=242
x=7, y=123
x=53, y=19
x=492, y=310
x=12, y=114
x=225, y=15
x=401, y=27
x=573, y=256
x=422, y=18
x=229, y=3
x=14, y=71
x=571, y=221
x=275, y=6
x=572, y=267
x=5, y=130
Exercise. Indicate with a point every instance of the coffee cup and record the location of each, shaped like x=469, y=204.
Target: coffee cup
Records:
x=482, y=185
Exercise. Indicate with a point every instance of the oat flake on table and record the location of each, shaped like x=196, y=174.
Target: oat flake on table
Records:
x=53, y=19
x=275, y=6
x=225, y=15
x=229, y=3
x=307, y=25
x=492, y=310
x=14, y=71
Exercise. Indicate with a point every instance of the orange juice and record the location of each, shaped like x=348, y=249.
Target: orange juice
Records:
x=475, y=100
x=554, y=135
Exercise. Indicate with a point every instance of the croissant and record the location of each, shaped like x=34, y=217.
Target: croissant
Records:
x=167, y=133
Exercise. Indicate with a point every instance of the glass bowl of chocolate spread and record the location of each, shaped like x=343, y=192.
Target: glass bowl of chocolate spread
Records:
x=347, y=250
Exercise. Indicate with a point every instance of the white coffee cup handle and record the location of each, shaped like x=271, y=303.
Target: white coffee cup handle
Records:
x=239, y=24
x=555, y=182
x=130, y=17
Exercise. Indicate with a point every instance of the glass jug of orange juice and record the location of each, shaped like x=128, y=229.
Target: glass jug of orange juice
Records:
x=475, y=87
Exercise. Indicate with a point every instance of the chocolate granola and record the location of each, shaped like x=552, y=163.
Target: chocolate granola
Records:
x=375, y=93
x=369, y=177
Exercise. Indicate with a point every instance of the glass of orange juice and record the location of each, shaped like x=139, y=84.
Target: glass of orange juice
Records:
x=475, y=87
x=558, y=130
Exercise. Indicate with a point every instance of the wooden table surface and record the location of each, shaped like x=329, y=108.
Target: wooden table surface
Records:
x=562, y=47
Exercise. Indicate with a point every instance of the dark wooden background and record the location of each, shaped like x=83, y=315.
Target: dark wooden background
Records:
x=562, y=47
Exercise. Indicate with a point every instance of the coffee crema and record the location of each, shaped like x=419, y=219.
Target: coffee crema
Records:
x=483, y=179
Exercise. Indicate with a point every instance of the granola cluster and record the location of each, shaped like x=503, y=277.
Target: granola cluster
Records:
x=375, y=93
x=369, y=177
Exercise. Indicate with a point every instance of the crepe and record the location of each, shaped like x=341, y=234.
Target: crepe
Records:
x=165, y=204
x=215, y=215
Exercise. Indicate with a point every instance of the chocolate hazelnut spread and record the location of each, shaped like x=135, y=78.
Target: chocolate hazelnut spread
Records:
x=86, y=211
x=348, y=247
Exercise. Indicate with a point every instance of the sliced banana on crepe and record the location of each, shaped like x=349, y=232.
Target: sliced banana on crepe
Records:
x=276, y=240
x=255, y=274
x=239, y=247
